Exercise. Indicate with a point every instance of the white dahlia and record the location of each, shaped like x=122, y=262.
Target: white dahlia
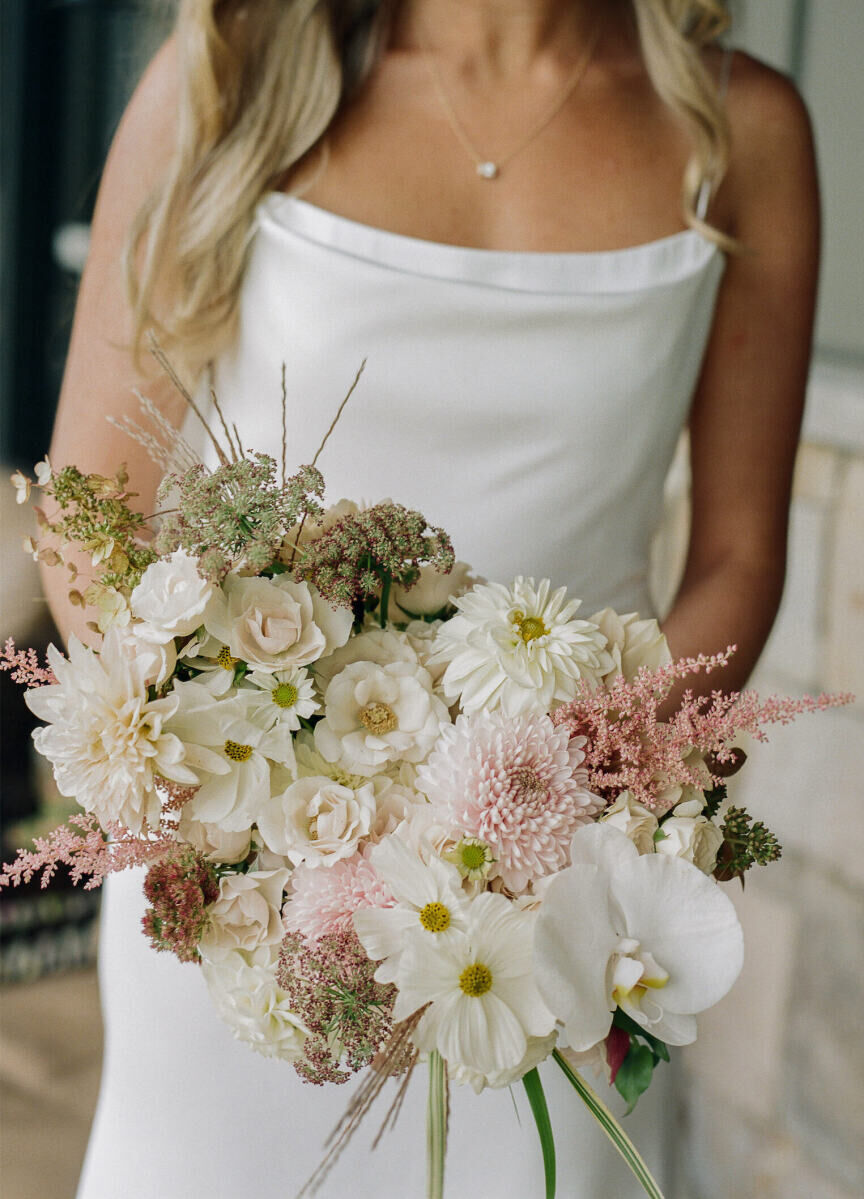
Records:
x=517, y=784
x=518, y=648
x=106, y=741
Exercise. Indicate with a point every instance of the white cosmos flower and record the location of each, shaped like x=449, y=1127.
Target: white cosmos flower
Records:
x=231, y=750
x=538, y=1050
x=518, y=648
x=254, y=1006
x=283, y=696
x=428, y=896
x=479, y=985
x=106, y=741
x=171, y=598
x=275, y=624
x=649, y=934
x=375, y=715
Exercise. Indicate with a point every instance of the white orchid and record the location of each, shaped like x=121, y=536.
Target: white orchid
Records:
x=650, y=934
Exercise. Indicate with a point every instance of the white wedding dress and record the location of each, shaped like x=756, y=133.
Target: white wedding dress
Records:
x=530, y=404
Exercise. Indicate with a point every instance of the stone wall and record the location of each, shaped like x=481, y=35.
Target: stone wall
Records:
x=775, y=1083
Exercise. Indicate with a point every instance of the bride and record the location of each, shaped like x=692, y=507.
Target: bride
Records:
x=559, y=231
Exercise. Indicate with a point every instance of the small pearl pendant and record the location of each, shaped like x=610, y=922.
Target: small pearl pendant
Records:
x=487, y=170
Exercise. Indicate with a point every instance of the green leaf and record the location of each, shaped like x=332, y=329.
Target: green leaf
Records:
x=610, y=1126
x=659, y=835
x=634, y=1075
x=658, y=1048
x=537, y=1099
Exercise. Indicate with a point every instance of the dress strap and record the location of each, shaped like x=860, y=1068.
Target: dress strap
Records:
x=703, y=199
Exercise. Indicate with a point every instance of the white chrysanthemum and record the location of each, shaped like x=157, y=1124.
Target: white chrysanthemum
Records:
x=428, y=896
x=483, y=1004
x=518, y=648
x=375, y=715
x=232, y=751
x=106, y=741
x=517, y=784
x=647, y=933
x=254, y=1006
x=283, y=697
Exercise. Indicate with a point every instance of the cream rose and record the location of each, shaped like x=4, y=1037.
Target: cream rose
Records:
x=634, y=820
x=171, y=598
x=247, y=914
x=689, y=835
x=252, y=1004
x=432, y=591
x=379, y=714
x=633, y=643
x=214, y=842
x=274, y=624
x=317, y=821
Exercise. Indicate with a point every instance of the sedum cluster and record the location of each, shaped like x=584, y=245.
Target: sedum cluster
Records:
x=179, y=888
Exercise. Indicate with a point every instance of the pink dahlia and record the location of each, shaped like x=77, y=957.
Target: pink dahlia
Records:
x=323, y=901
x=515, y=783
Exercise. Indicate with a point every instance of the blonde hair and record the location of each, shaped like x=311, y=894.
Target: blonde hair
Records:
x=262, y=80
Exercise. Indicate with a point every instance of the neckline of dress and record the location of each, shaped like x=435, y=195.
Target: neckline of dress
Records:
x=649, y=264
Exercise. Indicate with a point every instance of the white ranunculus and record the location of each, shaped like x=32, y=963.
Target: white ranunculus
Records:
x=374, y=715
x=649, y=934
x=107, y=743
x=633, y=643
x=432, y=591
x=518, y=648
x=317, y=821
x=171, y=598
x=247, y=914
x=254, y=1006
x=275, y=624
x=689, y=835
x=634, y=820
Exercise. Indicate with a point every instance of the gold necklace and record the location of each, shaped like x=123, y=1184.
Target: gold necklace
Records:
x=488, y=168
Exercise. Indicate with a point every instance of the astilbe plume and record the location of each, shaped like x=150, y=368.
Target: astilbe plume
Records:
x=180, y=887
x=387, y=542
x=330, y=984
x=89, y=851
x=23, y=666
x=237, y=514
x=629, y=747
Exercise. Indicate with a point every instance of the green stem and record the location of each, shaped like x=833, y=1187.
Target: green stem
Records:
x=436, y=1127
x=385, y=601
x=611, y=1127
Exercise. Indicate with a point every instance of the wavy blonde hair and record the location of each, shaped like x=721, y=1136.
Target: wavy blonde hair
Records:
x=262, y=80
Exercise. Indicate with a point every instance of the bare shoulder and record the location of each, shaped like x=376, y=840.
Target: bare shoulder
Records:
x=772, y=160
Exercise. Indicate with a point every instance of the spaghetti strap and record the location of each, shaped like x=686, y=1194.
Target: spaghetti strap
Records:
x=703, y=199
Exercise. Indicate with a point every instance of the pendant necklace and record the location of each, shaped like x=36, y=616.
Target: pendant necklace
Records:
x=488, y=168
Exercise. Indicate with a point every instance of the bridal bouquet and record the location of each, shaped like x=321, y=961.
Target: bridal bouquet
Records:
x=395, y=813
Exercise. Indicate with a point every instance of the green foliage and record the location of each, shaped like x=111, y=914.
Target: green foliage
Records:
x=713, y=800
x=646, y=1051
x=537, y=1099
x=745, y=843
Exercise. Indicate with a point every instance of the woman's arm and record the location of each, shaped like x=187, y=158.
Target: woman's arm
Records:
x=100, y=372
x=746, y=414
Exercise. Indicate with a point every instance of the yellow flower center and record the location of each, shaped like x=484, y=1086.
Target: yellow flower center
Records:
x=476, y=980
x=378, y=718
x=225, y=660
x=530, y=627
x=285, y=695
x=435, y=918
x=237, y=752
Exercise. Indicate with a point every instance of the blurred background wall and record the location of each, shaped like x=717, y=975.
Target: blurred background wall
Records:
x=774, y=1099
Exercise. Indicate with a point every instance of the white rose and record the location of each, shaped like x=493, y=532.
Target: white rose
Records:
x=376, y=645
x=171, y=598
x=254, y=1006
x=634, y=820
x=214, y=842
x=379, y=714
x=674, y=794
x=317, y=821
x=248, y=912
x=274, y=624
x=633, y=643
x=154, y=660
x=432, y=591
x=691, y=836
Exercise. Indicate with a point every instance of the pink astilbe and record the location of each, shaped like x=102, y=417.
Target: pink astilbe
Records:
x=23, y=665
x=85, y=848
x=629, y=748
x=323, y=901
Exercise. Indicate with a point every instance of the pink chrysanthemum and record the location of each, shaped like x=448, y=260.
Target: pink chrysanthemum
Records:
x=323, y=901
x=515, y=783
